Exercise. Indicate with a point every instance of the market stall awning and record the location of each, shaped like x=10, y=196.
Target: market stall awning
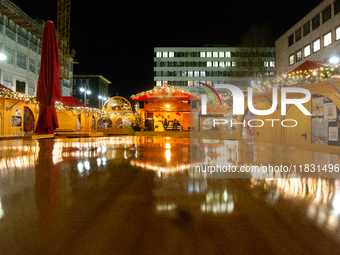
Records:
x=309, y=65
x=72, y=101
x=166, y=94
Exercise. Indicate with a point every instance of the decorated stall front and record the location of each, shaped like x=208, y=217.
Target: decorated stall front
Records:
x=318, y=131
x=167, y=109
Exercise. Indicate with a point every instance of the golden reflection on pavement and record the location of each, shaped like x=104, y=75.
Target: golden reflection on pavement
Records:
x=142, y=195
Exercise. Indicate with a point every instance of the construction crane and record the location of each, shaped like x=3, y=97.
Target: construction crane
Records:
x=63, y=30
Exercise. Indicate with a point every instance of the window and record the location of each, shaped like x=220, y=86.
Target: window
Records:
x=8, y=82
x=306, y=28
x=228, y=64
x=203, y=73
x=291, y=59
x=298, y=34
x=21, y=60
x=209, y=64
x=215, y=64
x=10, y=55
x=233, y=63
x=32, y=65
x=326, y=14
x=165, y=54
x=298, y=55
x=227, y=54
x=291, y=40
x=266, y=63
x=337, y=33
x=316, y=22
x=222, y=64
x=316, y=45
x=272, y=63
x=196, y=73
x=327, y=39
x=202, y=54
x=306, y=51
x=221, y=54
x=190, y=73
x=208, y=54
x=336, y=7
x=31, y=89
x=215, y=54
x=184, y=73
x=171, y=54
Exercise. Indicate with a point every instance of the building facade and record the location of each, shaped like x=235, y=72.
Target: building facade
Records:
x=20, y=41
x=96, y=84
x=315, y=37
x=186, y=67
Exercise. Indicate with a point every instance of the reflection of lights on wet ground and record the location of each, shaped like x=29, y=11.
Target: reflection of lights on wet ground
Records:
x=99, y=161
x=125, y=155
x=167, y=146
x=87, y=165
x=166, y=207
x=168, y=155
x=1, y=210
x=336, y=204
x=80, y=167
x=218, y=203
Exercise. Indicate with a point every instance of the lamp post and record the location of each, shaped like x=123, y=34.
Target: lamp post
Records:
x=334, y=59
x=85, y=91
x=103, y=98
x=3, y=56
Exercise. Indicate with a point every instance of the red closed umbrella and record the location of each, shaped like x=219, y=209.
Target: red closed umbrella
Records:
x=48, y=91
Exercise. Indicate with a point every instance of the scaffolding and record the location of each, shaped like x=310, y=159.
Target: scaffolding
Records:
x=63, y=30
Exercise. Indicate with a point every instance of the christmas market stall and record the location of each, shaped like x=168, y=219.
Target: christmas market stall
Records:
x=167, y=109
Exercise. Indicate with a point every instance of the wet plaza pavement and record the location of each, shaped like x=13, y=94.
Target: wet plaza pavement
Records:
x=139, y=195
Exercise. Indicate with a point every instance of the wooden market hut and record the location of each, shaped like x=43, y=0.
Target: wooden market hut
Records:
x=169, y=103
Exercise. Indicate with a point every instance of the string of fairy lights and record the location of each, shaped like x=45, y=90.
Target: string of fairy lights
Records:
x=298, y=78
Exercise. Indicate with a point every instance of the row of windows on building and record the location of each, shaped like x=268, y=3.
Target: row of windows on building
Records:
x=207, y=74
x=15, y=57
x=188, y=83
x=209, y=64
x=20, y=35
x=315, y=46
x=209, y=54
x=326, y=15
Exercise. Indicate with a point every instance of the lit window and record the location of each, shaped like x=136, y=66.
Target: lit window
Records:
x=306, y=51
x=222, y=64
x=190, y=73
x=228, y=63
x=215, y=64
x=215, y=54
x=202, y=54
x=159, y=54
x=233, y=63
x=227, y=54
x=196, y=73
x=221, y=54
x=165, y=54
x=208, y=54
x=158, y=83
x=337, y=33
x=209, y=64
x=316, y=45
x=190, y=83
x=327, y=39
x=265, y=63
x=298, y=55
x=291, y=59
x=272, y=63
x=171, y=54
x=202, y=73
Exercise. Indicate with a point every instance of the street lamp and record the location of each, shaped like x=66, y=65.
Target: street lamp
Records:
x=334, y=57
x=85, y=91
x=2, y=56
x=103, y=98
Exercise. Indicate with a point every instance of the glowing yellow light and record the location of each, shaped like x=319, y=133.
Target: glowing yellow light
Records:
x=167, y=106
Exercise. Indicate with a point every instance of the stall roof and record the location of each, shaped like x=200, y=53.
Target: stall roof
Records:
x=166, y=94
x=72, y=101
x=309, y=65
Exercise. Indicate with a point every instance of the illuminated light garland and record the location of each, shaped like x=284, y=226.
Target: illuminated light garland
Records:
x=58, y=105
x=169, y=87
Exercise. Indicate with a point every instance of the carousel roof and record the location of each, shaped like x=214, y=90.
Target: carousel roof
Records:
x=166, y=93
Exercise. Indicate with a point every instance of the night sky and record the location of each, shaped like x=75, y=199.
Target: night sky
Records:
x=116, y=39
